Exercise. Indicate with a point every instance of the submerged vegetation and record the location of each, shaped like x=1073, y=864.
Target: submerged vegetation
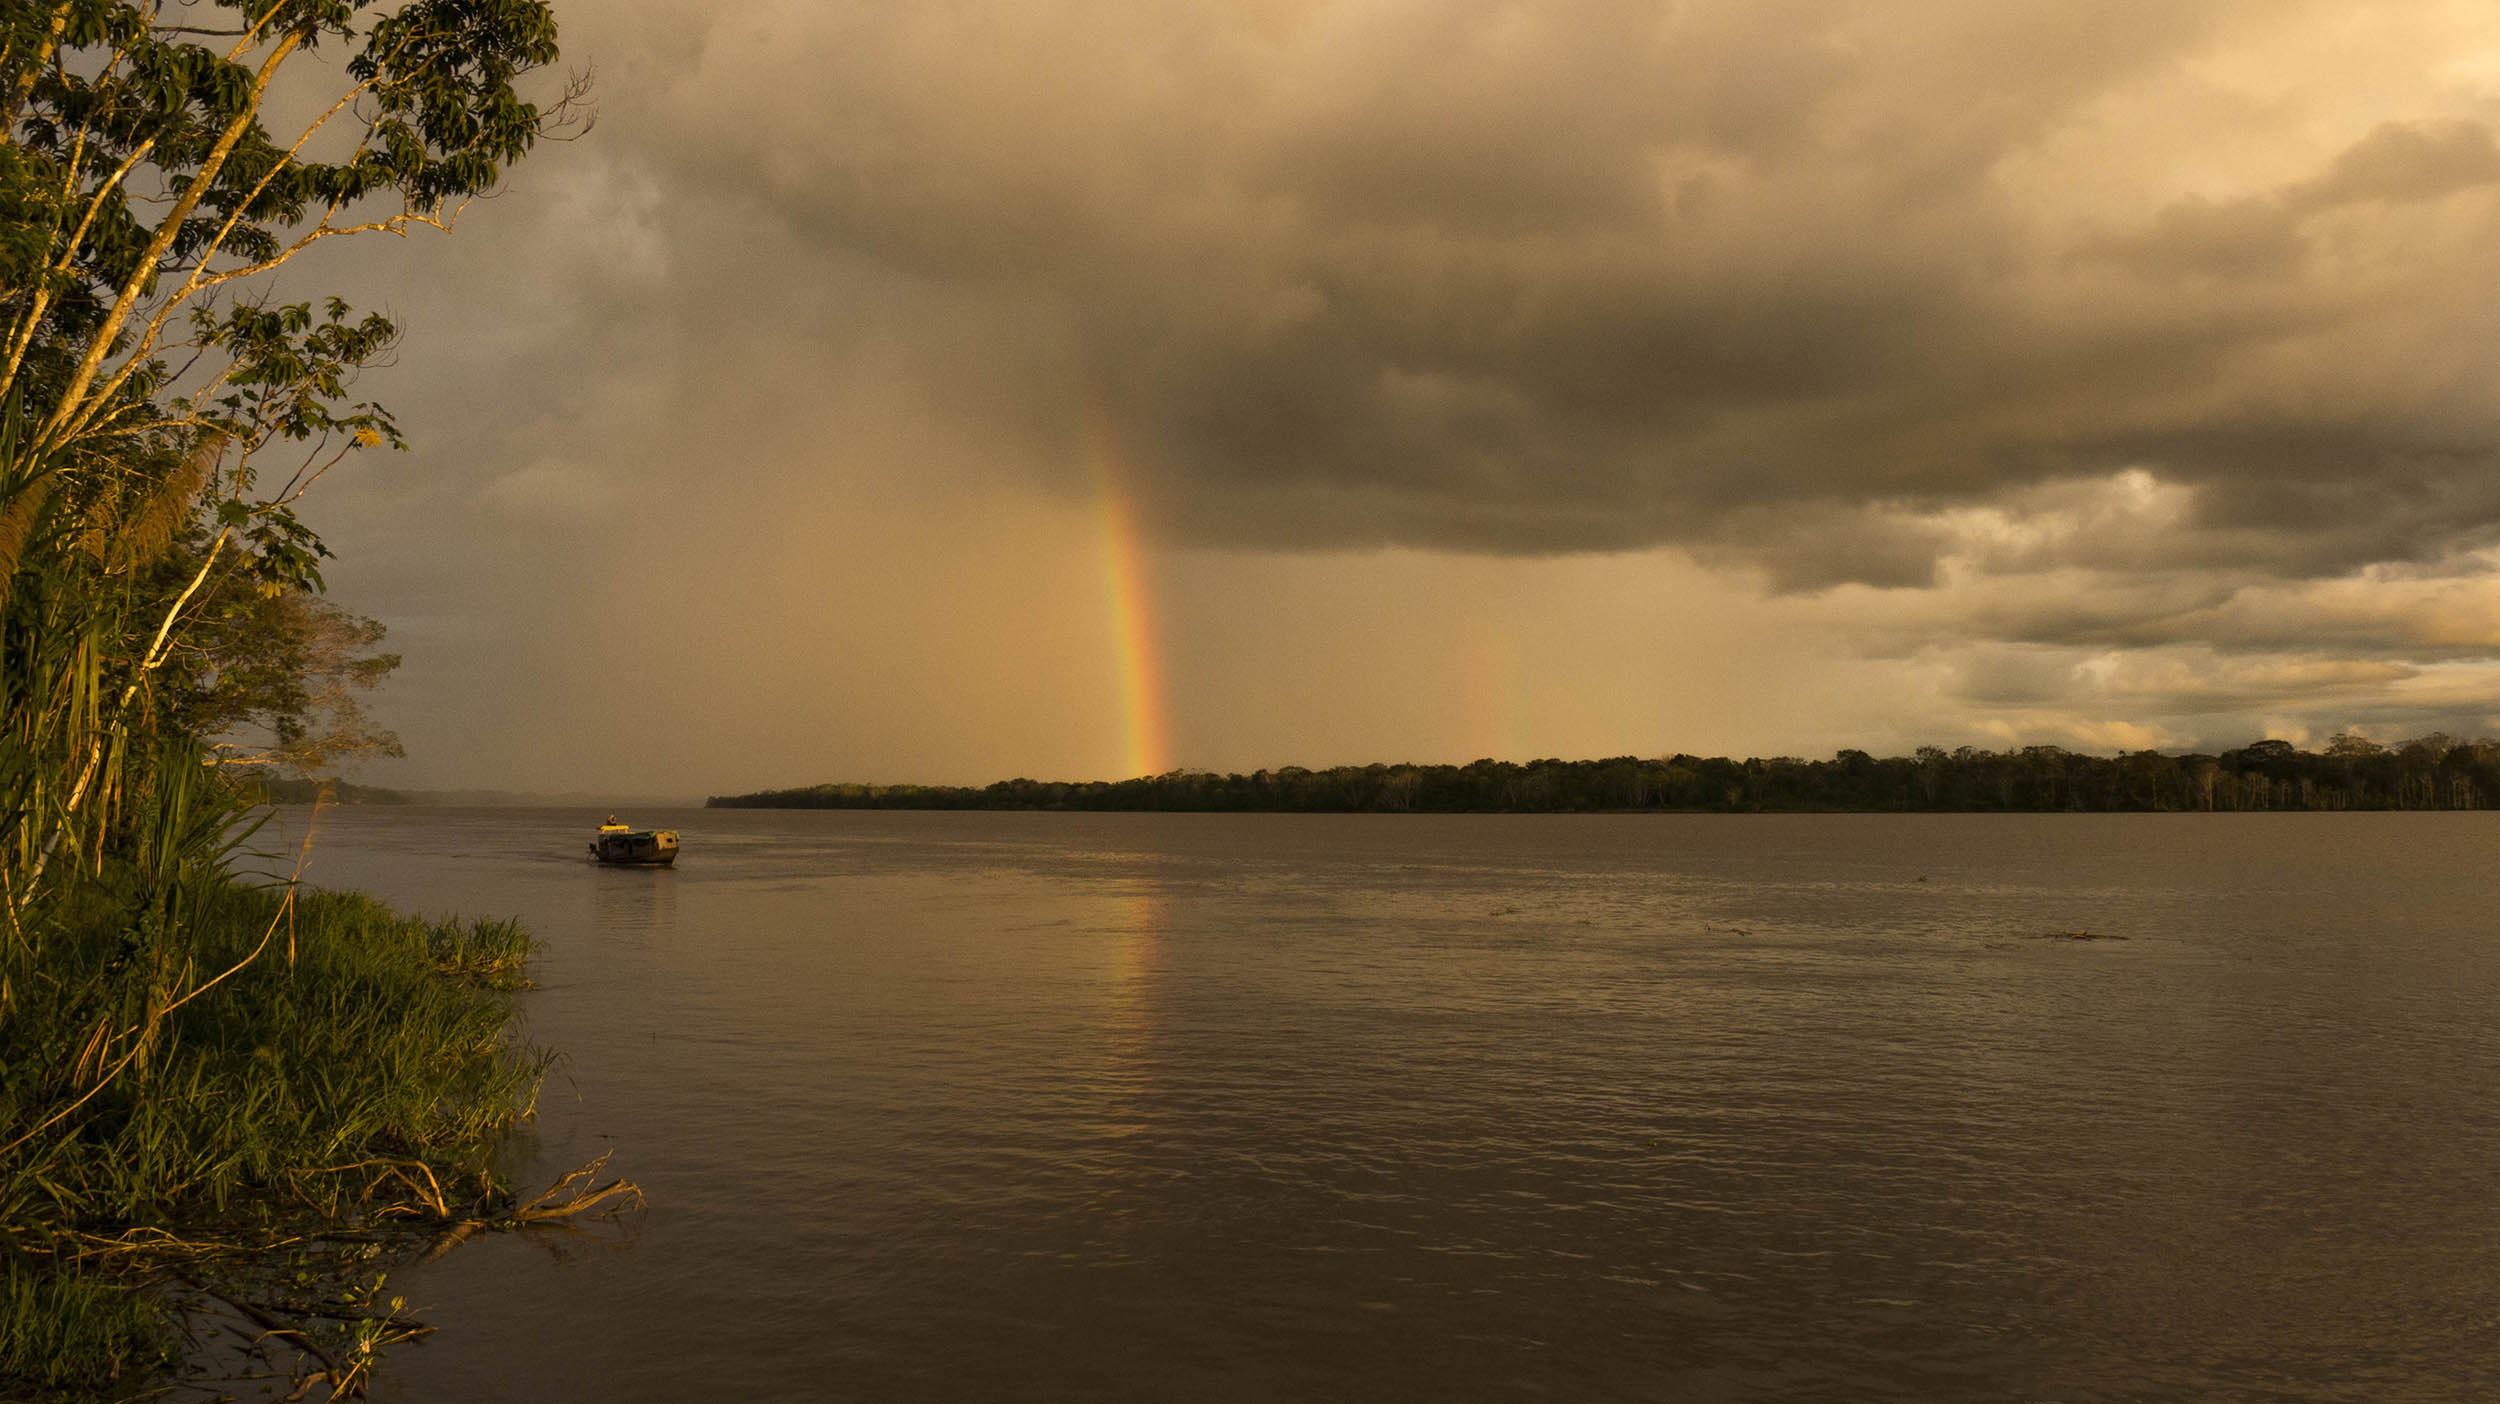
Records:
x=220, y=1097
x=318, y=1076
x=2433, y=772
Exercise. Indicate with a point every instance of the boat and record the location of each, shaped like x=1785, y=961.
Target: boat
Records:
x=627, y=846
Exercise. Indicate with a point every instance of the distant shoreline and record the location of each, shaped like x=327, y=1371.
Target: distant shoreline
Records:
x=335, y=791
x=2430, y=773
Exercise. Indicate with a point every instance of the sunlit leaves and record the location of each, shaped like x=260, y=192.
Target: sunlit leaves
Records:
x=148, y=372
x=291, y=370
x=281, y=552
x=136, y=157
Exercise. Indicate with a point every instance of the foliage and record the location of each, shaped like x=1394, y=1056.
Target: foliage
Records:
x=274, y=676
x=64, y=1331
x=173, y=1045
x=352, y=1070
x=343, y=1032
x=147, y=374
x=2433, y=772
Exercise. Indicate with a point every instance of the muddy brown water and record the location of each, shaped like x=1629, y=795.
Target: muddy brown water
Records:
x=1691, y=1108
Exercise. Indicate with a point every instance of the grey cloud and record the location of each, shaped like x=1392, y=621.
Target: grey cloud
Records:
x=2169, y=683
x=2013, y=677
x=1988, y=322
x=1743, y=278
x=1602, y=275
x=2406, y=161
x=2259, y=237
x=1816, y=546
x=2193, y=697
x=2245, y=238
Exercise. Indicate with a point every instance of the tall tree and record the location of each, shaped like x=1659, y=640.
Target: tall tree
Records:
x=161, y=414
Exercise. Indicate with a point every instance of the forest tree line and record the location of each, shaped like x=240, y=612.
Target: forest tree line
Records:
x=2352, y=772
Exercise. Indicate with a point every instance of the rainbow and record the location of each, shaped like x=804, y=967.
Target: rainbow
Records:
x=1127, y=591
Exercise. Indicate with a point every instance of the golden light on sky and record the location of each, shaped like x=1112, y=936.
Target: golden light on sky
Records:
x=948, y=392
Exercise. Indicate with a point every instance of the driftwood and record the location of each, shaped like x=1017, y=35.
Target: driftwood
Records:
x=209, y=1278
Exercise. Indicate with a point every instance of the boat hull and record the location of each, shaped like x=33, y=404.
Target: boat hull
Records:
x=639, y=848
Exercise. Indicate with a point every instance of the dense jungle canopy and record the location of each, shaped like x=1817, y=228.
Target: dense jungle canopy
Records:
x=2432, y=772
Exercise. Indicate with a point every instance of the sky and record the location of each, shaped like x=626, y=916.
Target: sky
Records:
x=948, y=392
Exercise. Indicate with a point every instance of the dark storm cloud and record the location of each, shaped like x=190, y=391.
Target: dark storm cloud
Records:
x=1972, y=332
x=2259, y=237
x=1587, y=276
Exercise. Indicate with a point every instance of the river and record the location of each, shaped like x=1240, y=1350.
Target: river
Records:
x=1625, y=1107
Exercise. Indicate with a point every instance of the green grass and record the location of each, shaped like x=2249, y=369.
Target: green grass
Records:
x=350, y=1073
x=66, y=1333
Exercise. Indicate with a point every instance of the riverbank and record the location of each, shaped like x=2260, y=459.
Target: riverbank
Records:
x=2431, y=772
x=245, y=1107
